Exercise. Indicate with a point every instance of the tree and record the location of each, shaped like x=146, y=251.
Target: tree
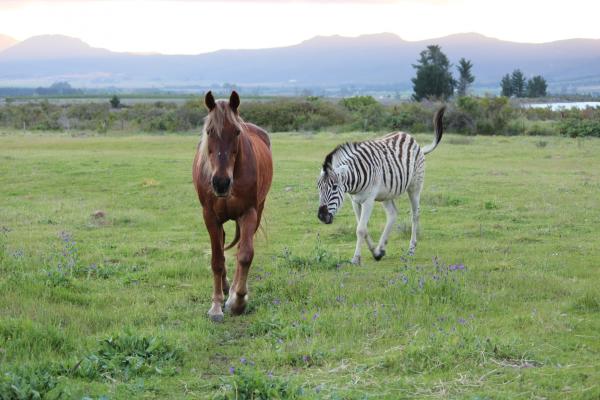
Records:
x=518, y=83
x=465, y=76
x=434, y=78
x=115, y=102
x=536, y=87
x=506, y=85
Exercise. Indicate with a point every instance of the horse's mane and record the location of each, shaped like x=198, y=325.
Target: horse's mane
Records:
x=214, y=122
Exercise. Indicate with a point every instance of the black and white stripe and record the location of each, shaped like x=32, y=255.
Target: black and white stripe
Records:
x=375, y=170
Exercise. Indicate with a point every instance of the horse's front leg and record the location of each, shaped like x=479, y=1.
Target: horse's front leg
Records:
x=217, y=263
x=238, y=292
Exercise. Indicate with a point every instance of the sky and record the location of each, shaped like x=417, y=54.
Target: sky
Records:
x=197, y=26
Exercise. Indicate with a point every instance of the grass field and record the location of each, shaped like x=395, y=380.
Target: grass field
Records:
x=105, y=279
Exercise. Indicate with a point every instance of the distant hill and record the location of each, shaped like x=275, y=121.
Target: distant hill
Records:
x=52, y=47
x=6, y=42
x=380, y=59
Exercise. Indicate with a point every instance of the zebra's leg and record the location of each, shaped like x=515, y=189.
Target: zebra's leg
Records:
x=362, y=234
x=391, y=213
x=357, y=207
x=414, y=194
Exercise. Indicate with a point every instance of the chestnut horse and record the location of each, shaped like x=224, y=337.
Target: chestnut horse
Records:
x=232, y=174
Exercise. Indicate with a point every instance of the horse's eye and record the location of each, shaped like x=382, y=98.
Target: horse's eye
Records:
x=334, y=187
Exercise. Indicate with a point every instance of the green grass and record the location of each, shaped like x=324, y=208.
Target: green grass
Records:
x=105, y=279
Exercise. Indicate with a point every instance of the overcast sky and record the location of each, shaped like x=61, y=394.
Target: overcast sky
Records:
x=195, y=26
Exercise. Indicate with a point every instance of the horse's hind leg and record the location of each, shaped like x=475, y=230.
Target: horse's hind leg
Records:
x=217, y=264
x=238, y=293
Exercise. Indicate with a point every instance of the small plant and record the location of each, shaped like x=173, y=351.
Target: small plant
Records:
x=490, y=205
x=319, y=257
x=65, y=261
x=28, y=383
x=128, y=355
x=248, y=382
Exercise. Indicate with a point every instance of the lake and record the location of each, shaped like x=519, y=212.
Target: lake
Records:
x=565, y=105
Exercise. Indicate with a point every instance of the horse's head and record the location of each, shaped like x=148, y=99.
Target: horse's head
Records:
x=221, y=141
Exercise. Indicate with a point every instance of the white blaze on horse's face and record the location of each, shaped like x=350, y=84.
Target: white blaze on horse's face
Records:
x=331, y=195
x=223, y=148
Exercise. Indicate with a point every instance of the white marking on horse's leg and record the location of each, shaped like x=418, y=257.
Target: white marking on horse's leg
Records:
x=361, y=229
x=391, y=213
x=414, y=195
x=216, y=313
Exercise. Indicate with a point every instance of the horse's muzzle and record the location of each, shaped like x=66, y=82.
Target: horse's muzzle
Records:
x=221, y=186
x=324, y=215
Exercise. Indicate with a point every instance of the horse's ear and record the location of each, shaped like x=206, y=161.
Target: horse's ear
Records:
x=234, y=101
x=209, y=100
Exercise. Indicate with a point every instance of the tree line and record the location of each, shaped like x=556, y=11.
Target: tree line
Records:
x=434, y=79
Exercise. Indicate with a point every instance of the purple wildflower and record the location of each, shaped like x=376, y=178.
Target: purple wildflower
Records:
x=314, y=317
x=462, y=321
x=305, y=358
x=231, y=370
x=270, y=374
x=276, y=302
x=243, y=360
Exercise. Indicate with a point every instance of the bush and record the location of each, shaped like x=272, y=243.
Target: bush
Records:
x=580, y=127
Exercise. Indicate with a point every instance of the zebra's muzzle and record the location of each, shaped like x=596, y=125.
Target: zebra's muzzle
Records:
x=324, y=215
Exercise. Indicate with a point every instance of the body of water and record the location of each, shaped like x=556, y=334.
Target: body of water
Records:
x=564, y=106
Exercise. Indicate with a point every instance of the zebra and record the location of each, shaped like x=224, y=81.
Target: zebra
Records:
x=376, y=170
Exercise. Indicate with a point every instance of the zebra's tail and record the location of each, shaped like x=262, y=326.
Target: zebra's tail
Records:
x=438, y=127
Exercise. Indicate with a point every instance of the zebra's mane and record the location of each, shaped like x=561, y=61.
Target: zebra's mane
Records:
x=328, y=163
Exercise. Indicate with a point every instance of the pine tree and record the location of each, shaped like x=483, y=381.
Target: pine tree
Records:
x=115, y=102
x=434, y=78
x=506, y=85
x=518, y=83
x=465, y=76
x=536, y=87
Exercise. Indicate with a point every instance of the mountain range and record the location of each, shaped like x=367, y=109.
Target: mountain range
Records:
x=323, y=61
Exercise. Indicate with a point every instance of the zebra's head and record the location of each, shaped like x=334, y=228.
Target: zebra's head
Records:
x=331, y=193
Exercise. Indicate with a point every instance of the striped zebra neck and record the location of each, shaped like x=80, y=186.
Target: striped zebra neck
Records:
x=343, y=162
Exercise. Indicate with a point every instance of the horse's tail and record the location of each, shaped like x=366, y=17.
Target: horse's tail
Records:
x=236, y=238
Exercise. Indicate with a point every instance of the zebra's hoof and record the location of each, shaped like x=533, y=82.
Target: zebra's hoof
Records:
x=379, y=256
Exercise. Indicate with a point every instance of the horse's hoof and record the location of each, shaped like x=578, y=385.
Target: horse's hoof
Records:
x=237, y=309
x=379, y=256
x=355, y=261
x=216, y=317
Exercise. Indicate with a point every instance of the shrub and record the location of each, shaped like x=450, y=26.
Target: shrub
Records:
x=580, y=127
